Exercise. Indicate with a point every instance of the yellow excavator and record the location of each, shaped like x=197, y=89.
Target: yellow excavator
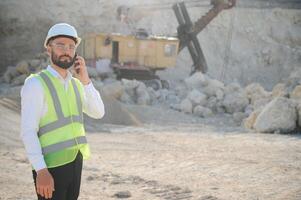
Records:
x=139, y=55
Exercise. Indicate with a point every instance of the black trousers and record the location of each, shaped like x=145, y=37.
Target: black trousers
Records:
x=67, y=180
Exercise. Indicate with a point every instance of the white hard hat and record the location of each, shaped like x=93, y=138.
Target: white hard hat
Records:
x=62, y=29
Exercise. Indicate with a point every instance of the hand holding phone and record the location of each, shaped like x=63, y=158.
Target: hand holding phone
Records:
x=81, y=69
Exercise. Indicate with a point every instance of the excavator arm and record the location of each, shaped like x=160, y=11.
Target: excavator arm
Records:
x=188, y=31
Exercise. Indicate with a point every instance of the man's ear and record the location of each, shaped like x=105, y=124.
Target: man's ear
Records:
x=48, y=50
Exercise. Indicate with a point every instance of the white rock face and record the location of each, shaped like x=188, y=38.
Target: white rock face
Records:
x=186, y=106
x=235, y=102
x=197, y=98
x=202, y=111
x=278, y=116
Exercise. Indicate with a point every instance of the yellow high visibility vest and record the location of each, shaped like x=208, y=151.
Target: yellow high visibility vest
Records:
x=61, y=130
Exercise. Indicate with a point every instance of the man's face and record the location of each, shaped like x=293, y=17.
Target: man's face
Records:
x=62, y=52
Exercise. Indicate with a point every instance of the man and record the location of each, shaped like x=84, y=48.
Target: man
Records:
x=52, y=127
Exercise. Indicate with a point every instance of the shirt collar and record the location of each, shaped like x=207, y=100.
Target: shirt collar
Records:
x=56, y=74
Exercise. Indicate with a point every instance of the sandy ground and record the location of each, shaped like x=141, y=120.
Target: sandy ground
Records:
x=202, y=160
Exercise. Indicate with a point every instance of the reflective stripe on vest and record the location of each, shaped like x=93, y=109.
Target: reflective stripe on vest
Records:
x=61, y=121
x=63, y=145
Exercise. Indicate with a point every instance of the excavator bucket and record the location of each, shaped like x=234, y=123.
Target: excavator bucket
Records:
x=188, y=38
x=188, y=31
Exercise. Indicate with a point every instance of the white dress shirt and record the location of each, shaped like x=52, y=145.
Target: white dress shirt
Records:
x=34, y=106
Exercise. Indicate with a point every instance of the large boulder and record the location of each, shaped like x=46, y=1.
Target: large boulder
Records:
x=296, y=93
x=114, y=89
x=278, y=116
x=130, y=86
x=250, y=121
x=181, y=91
x=279, y=90
x=235, y=102
x=219, y=94
x=255, y=91
x=213, y=87
x=154, y=95
x=232, y=88
x=238, y=117
x=143, y=98
x=196, y=81
x=126, y=98
x=202, y=111
x=212, y=103
x=186, y=106
x=197, y=98
x=261, y=103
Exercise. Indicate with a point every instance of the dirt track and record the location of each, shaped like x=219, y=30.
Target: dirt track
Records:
x=200, y=161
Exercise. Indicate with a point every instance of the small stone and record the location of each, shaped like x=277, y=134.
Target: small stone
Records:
x=23, y=67
x=123, y=194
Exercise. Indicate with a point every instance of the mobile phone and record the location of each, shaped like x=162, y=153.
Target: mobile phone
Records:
x=75, y=64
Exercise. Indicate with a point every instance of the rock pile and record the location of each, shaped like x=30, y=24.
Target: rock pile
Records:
x=15, y=75
x=255, y=108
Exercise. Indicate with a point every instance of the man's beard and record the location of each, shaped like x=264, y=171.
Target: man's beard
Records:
x=65, y=63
